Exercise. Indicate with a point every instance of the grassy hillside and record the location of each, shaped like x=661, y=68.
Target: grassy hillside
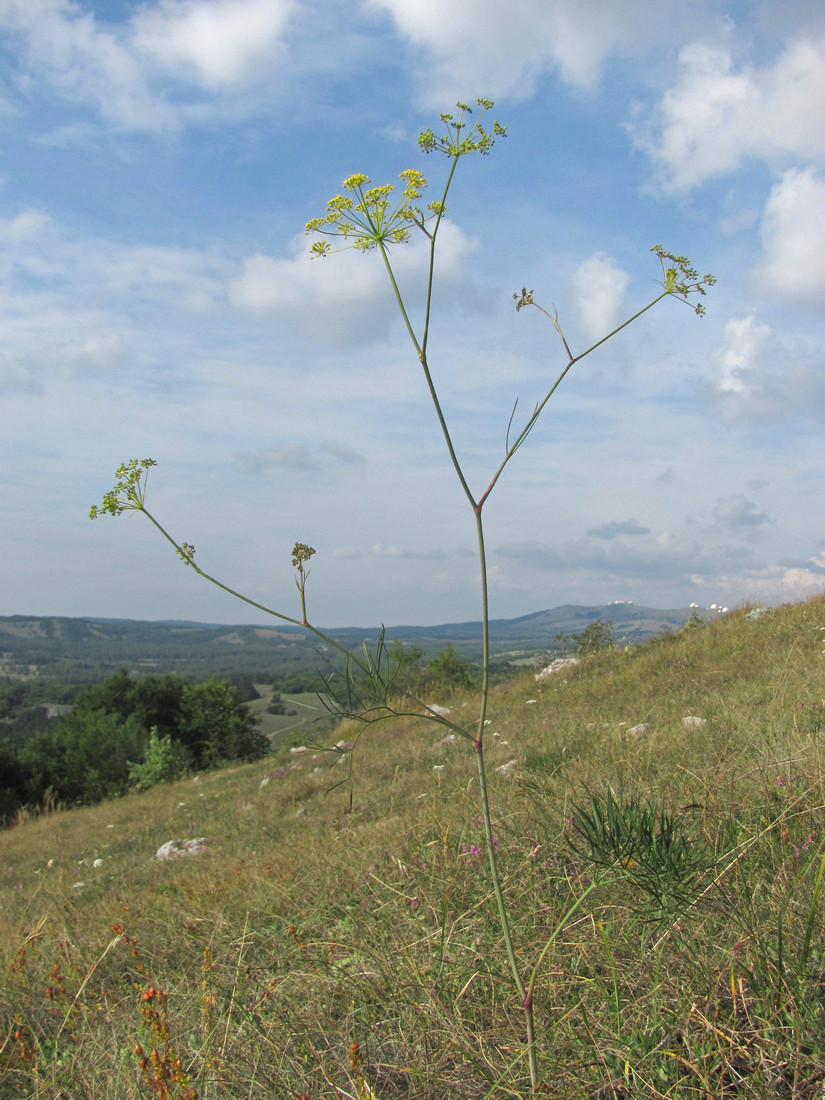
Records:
x=313, y=952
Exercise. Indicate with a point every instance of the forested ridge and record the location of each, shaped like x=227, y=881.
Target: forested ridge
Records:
x=85, y=650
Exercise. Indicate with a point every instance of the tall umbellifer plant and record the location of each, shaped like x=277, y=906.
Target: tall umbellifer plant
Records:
x=371, y=218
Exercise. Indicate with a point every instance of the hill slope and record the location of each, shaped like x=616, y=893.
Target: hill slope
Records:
x=687, y=965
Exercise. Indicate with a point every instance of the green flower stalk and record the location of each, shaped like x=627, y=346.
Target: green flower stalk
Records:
x=367, y=224
x=379, y=218
x=301, y=553
x=129, y=492
x=362, y=691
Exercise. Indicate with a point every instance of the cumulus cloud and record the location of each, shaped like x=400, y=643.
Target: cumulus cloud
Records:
x=599, y=285
x=717, y=116
x=800, y=584
x=379, y=550
x=650, y=562
x=155, y=72
x=504, y=49
x=713, y=565
x=739, y=359
x=270, y=284
x=616, y=529
x=736, y=515
x=793, y=237
x=760, y=378
x=73, y=304
x=217, y=44
x=63, y=45
x=768, y=584
x=328, y=452
x=341, y=292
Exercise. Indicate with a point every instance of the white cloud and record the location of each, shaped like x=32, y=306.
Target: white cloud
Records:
x=301, y=284
x=763, y=378
x=793, y=237
x=342, y=291
x=599, y=286
x=70, y=302
x=497, y=49
x=155, y=72
x=65, y=48
x=715, y=117
x=736, y=515
x=800, y=584
x=646, y=561
x=29, y=223
x=738, y=360
x=76, y=269
x=771, y=584
x=615, y=529
x=221, y=42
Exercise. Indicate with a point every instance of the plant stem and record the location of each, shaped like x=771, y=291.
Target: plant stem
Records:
x=364, y=665
x=531, y=423
x=485, y=628
x=501, y=905
x=399, y=299
x=421, y=349
x=232, y=591
x=503, y=917
x=433, y=236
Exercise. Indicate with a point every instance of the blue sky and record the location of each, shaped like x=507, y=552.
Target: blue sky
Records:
x=158, y=163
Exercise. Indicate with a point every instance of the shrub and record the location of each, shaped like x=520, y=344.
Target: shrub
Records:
x=165, y=761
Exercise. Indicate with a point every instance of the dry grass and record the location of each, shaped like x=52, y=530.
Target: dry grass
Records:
x=252, y=969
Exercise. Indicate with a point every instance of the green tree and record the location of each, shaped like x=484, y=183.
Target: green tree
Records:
x=208, y=719
x=156, y=700
x=86, y=759
x=158, y=703
x=598, y=635
x=276, y=704
x=14, y=780
x=214, y=726
x=405, y=668
x=115, y=695
x=166, y=760
x=448, y=670
x=244, y=685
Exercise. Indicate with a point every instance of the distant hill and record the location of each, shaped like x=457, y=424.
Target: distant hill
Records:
x=86, y=648
x=538, y=630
